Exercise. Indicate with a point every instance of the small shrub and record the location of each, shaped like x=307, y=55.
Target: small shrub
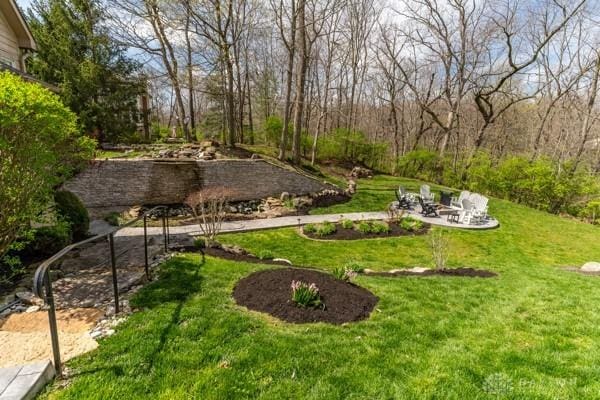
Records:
x=410, y=224
x=310, y=228
x=380, y=227
x=344, y=274
x=364, y=227
x=354, y=266
x=326, y=229
x=70, y=208
x=49, y=240
x=305, y=295
x=200, y=242
x=347, y=224
x=114, y=219
x=11, y=267
x=265, y=255
x=439, y=248
x=208, y=207
x=592, y=211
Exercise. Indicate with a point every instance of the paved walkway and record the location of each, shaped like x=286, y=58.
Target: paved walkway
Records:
x=282, y=222
x=24, y=382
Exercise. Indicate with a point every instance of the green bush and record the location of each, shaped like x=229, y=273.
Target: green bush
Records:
x=380, y=227
x=265, y=254
x=71, y=209
x=49, y=240
x=114, y=218
x=354, y=266
x=325, y=229
x=592, y=211
x=353, y=146
x=421, y=164
x=273, y=128
x=364, y=227
x=410, y=224
x=347, y=224
x=309, y=228
x=39, y=148
x=542, y=183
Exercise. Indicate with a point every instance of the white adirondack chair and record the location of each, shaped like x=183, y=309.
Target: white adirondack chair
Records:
x=466, y=213
x=480, y=205
x=426, y=194
x=457, y=201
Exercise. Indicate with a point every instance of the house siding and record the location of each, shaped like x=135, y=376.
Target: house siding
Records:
x=9, y=47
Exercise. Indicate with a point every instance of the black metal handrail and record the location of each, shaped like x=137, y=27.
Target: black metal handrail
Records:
x=42, y=282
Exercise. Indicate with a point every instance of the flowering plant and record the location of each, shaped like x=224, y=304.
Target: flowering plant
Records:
x=305, y=295
x=344, y=274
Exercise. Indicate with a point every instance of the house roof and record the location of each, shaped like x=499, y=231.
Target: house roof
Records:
x=18, y=24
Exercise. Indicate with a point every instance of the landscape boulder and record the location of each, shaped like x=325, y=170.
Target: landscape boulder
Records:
x=591, y=267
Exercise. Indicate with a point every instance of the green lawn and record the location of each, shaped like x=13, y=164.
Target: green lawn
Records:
x=531, y=333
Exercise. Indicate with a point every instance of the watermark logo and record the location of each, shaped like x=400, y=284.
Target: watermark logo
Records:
x=498, y=384
x=501, y=384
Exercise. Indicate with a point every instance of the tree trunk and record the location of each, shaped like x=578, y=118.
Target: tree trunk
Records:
x=300, y=83
x=291, y=48
x=190, y=71
x=230, y=101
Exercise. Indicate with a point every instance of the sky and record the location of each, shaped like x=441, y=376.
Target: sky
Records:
x=24, y=4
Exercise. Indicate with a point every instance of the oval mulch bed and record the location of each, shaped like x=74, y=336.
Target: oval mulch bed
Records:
x=342, y=233
x=269, y=292
x=468, y=272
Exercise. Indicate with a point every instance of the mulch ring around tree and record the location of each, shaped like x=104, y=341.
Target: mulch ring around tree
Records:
x=270, y=292
x=342, y=233
x=464, y=272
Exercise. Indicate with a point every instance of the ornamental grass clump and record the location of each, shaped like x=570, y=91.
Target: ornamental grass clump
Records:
x=325, y=229
x=380, y=227
x=347, y=224
x=306, y=295
x=309, y=228
x=364, y=227
x=410, y=224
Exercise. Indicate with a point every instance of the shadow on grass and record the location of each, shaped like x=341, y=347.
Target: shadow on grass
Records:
x=178, y=281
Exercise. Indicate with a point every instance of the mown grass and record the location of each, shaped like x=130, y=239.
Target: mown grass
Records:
x=530, y=333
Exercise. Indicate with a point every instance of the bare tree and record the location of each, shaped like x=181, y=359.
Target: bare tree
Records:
x=209, y=209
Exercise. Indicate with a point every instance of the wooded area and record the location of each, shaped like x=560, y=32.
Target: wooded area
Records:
x=449, y=91
x=453, y=76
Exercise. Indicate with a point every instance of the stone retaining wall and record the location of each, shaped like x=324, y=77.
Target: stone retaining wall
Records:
x=122, y=183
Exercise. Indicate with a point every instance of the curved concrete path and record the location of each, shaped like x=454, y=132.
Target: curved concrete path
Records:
x=282, y=222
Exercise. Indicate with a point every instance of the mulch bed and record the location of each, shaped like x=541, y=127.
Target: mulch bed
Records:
x=465, y=272
x=269, y=292
x=352, y=234
x=216, y=252
x=228, y=255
